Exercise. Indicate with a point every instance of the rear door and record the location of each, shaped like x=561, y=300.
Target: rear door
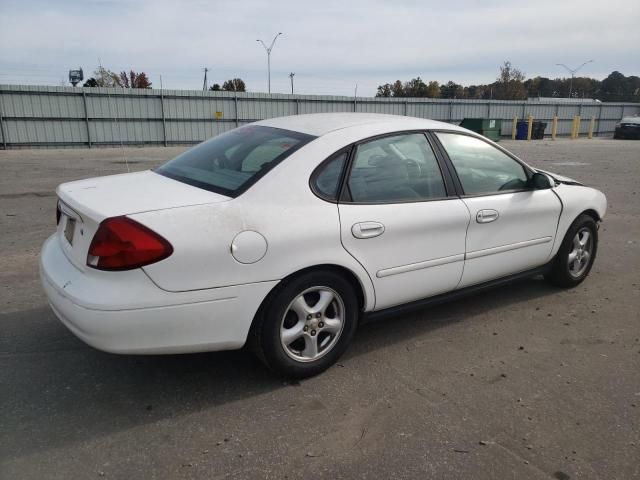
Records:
x=401, y=220
x=512, y=225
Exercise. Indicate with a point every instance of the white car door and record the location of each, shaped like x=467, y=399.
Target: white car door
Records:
x=400, y=221
x=512, y=225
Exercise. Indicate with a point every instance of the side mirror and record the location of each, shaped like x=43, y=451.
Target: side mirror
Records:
x=540, y=181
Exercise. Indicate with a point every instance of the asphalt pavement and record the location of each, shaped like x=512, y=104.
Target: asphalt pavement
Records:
x=524, y=381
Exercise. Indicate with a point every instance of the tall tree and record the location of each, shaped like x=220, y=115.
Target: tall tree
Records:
x=215, y=87
x=540, y=87
x=234, y=85
x=433, y=89
x=397, y=89
x=384, y=90
x=133, y=80
x=509, y=84
x=614, y=87
x=415, y=88
x=104, y=78
x=451, y=90
x=473, y=91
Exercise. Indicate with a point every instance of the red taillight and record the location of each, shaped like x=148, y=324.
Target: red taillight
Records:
x=123, y=244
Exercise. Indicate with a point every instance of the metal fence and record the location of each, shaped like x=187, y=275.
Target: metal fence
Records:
x=35, y=116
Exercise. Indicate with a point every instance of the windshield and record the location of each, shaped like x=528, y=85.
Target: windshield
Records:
x=232, y=162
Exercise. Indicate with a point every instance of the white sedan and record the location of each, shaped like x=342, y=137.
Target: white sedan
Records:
x=288, y=232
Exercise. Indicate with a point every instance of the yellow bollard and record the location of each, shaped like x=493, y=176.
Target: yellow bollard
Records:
x=592, y=125
x=530, y=120
x=573, y=128
x=578, y=120
x=554, y=127
x=514, y=128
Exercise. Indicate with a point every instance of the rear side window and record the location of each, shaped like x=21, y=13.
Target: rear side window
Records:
x=399, y=168
x=326, y=181
x=481, y=167
x=232, y=162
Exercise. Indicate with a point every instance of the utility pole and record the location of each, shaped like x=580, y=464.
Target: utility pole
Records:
x=204, y=85
x=291, y=75
x=573, y=72
x=268, y=50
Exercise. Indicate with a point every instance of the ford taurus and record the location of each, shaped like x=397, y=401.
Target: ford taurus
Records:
x=286, y=233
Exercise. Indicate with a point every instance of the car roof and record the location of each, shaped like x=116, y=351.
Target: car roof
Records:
x=318, y=124
x=634, y=119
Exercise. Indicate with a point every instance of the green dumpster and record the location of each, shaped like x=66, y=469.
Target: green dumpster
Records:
x=489, y=127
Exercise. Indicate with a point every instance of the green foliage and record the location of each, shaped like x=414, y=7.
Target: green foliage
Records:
x=234, y=85
x=413, y=88
x=451, y=90
x=384, y=90
x=433, y=89
x=511, y=85
x=618, y=88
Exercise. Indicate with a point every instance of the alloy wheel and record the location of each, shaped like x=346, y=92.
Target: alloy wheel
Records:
x=312, y=324
x=581, y=252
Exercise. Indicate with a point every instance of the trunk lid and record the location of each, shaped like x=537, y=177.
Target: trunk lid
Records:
x=83, y=204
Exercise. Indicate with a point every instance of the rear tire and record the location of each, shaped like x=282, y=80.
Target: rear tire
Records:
x=306, y=324
x=577, y=253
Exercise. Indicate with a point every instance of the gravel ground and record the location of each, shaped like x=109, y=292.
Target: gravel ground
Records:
x=526, y=381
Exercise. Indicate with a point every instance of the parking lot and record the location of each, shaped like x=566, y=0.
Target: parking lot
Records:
x=526, y=381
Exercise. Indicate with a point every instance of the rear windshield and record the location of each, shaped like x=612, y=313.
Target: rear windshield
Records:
x=232, y=162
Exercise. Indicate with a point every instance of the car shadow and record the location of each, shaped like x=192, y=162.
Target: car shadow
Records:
x=57, y=390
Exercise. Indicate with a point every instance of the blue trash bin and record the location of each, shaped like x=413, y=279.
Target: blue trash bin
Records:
x=522, y=129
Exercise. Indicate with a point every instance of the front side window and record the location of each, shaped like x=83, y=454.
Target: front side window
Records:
x=233, y=161
x=398, y=168
x=481, y=167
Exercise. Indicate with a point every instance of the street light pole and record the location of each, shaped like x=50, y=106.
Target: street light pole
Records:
x=291, y=75
x=268, y=50
x=573, y=72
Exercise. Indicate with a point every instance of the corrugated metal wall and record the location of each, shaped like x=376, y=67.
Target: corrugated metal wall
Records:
x=33, y=116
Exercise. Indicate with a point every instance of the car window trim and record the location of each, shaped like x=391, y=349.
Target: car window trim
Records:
x=460, y=189
x=345, y=197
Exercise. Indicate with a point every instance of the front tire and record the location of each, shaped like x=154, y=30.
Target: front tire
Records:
x=306, y=325
x=577, y=253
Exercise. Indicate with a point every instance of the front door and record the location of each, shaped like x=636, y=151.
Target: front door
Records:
x=399, y=221
x=512, y=225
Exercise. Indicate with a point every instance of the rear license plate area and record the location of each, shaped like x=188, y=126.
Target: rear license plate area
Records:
x=69, y=229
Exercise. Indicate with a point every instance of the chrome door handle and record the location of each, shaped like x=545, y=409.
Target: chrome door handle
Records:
x=367, y=229
x=487, y=216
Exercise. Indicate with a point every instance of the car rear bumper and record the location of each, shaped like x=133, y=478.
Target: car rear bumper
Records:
x=125, y=312
x=623, y=133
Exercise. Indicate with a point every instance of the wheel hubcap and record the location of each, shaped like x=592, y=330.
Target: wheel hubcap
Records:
x=580, y=255
x=312, y=324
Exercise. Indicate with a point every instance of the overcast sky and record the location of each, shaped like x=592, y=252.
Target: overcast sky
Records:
x=331, y=45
